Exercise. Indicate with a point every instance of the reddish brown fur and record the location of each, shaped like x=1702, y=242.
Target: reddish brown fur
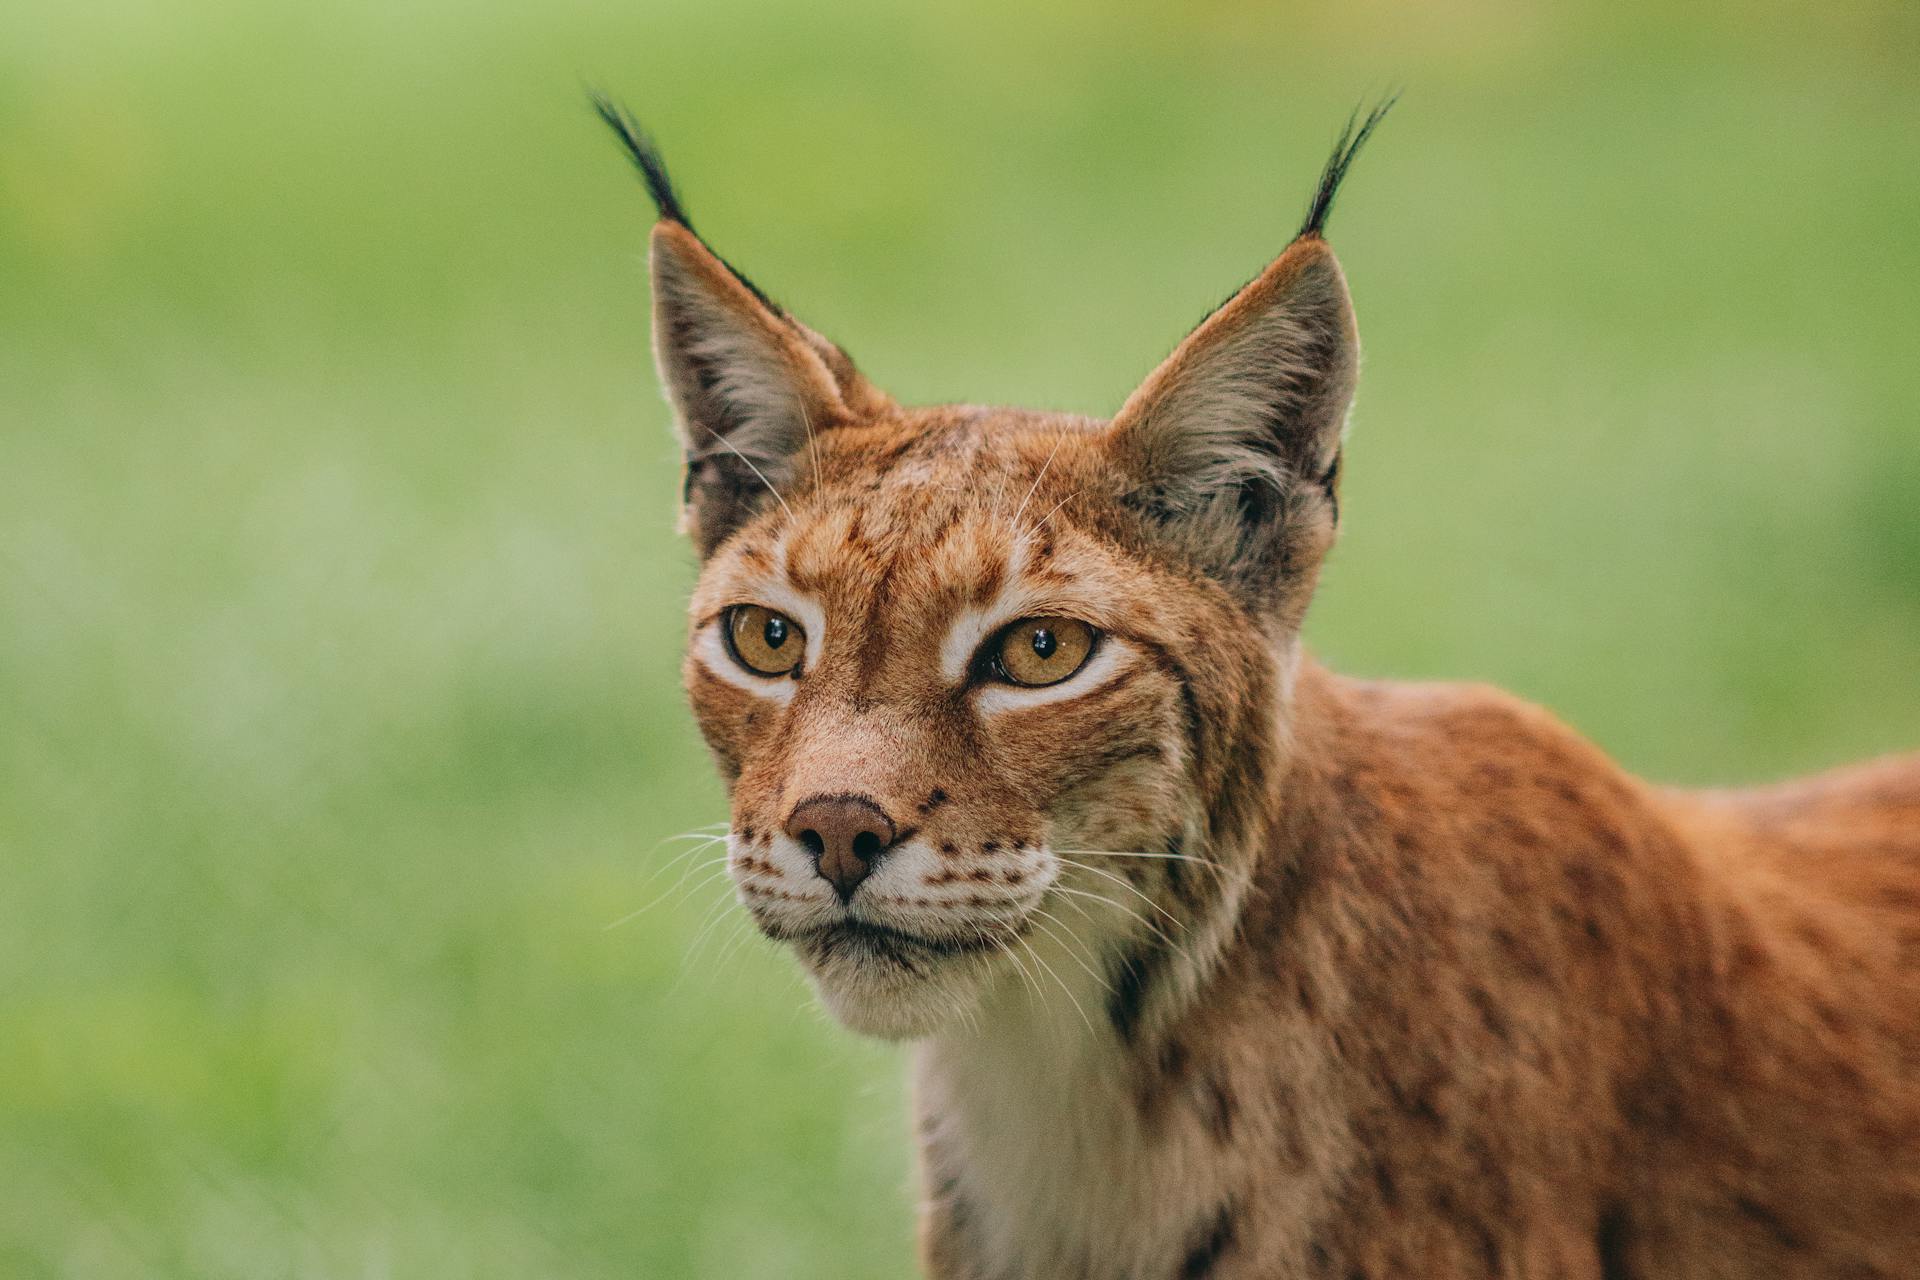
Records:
x=1385, y=980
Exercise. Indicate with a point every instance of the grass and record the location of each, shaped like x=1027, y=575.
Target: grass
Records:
x=339, y=602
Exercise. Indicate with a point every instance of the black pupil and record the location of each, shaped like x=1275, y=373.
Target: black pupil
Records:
x=775, y=632
x=1044, y=642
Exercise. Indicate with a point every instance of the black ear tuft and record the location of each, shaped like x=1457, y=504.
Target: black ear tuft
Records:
x=645, y=155
x=1351, y=140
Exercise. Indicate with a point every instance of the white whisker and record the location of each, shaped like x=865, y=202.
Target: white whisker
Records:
x=813, y=446
x=756, y=471
x=1064, y=988
x=680, y=857
x=1128, y=886
x=1041, y=917
x=1032, y=983
x=1219, y=872
x=1140, y=853
x=736, y=945
x=715, y=913
x=1117, y=905
x=1021, y=509
x=719, y=862
x=1056, y=506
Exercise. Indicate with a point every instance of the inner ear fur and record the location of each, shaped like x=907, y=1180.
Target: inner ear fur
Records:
x=748, y=384
x=1233, y=444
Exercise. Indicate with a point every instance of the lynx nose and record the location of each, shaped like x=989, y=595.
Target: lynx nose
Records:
x=846, y=836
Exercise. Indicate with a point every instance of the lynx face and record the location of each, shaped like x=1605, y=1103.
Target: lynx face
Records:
x=976, y=678
x=935, y=708
x=900, y=792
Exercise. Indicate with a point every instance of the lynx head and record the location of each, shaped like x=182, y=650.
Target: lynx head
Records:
x=987, y=684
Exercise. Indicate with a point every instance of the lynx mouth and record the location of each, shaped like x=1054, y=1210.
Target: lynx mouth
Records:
x=857, y=936
x=866, y=941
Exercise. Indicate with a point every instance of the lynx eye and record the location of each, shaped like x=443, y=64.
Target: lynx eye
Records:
x=764, y=642
x=1041, y=651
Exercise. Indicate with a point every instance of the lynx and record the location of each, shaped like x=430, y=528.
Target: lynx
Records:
x=1218, y=964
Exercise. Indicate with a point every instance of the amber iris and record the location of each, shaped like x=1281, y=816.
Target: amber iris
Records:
x=1042, y=651
x=763, y=641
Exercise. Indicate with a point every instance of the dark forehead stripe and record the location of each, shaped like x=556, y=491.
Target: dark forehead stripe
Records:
x=993, y=576
x=900, y=540
x=875, y=656
x=856, y=539
x=968, y=449
x=866, y=456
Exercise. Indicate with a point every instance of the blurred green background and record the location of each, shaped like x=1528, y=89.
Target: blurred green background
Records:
x=340, y=607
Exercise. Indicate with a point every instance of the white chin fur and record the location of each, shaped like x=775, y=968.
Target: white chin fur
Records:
x=872, y=998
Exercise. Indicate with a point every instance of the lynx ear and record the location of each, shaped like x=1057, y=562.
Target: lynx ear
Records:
x=749, y=384
x=1234, y=442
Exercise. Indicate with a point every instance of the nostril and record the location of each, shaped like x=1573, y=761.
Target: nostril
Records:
x=846, y=836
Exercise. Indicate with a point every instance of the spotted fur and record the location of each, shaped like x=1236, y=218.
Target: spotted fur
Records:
x=1221, y=965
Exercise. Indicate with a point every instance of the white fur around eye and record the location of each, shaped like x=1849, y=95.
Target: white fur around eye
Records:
x=971, y=628
x=1107, y=661
x=774, y=592
x=964, y=638
x=803, y=609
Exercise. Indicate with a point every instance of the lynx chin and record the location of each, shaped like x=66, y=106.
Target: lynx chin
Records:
x=1218, y=964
